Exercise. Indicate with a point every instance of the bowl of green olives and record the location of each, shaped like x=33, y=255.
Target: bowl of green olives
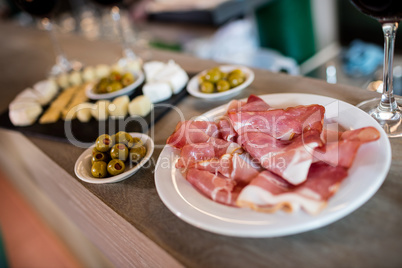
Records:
x=115, y=84
x=220, y=82
x=114, y=158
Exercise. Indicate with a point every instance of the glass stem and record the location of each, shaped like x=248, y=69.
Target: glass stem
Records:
x=127, y=52
x=61, y=60
x=388, y=103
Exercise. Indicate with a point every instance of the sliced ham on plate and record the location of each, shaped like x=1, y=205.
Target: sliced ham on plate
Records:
x=188, y=132
x=341, y=148
x=269, y=192
x=283, y=124
x=215, y=186
x=213, y=148
x=253, y=104
x=289, y=159
x=231, y=166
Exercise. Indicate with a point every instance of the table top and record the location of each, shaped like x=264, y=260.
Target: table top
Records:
x=371, y=236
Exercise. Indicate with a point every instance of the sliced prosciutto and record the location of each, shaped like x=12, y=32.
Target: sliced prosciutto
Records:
x=188, y=132
x=232, y=166
x=281, y=124
x=289, y=159
x=341, y=148
x=253, y=104
x=269, y=192
x=226, y=130
x=214, y=186
x=215, y=148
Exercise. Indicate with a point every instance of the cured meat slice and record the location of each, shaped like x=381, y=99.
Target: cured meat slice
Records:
x=214, y=186
x=253, y=104
x=289, y=159
x=269, y=193
x=281, y=124
x=192, y=132
x=231, y=166
x=214, y=148
x=342, y=149
x=226, y=129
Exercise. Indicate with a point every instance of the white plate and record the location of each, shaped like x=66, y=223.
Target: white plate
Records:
x=139, y=75
x=194, y=89
x=365, y=177
x=82, y=166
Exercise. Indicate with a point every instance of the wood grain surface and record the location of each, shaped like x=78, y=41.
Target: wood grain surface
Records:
x=369, y=237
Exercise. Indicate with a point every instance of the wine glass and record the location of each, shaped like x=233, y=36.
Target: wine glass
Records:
x=128, y=53
x=44, y=9
x=387, y=109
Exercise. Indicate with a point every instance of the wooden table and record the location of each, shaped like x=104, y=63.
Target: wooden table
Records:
x=128, y=222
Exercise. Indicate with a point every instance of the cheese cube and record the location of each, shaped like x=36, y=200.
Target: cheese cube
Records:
x=24, y=114
x=157, y=91
x=45, y=90
x=100, y=110
x=140, y=105
x=84, y=111
x=151, y=68
x=119, y=106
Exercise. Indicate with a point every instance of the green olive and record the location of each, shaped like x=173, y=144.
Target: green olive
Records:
x=94, y=151
x=123, y=137
x=101, y=85
x=237, y=72
x=115, y=76
x=135, y=142
x=119, y=151
x=127, y=79
x=207, y=87
x=137, y=153
x=115, y=167
x=103, y=143
x=99, y=157
x=235, y=80
x=222, y=86
x=201, y=79
x=213, y=75
x=114, y=86
x=98, y=169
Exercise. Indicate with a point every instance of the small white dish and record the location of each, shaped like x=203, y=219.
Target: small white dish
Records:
x=139, y=75
x=193, y=87
x=82, y=166
x=365, y=177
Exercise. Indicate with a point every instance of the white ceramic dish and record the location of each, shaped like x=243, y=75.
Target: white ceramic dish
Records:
x=82, y=166
x=139, y=75
x=193, y=86
x=365, y=178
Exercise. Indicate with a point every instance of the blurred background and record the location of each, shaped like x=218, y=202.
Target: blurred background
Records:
x=323, y=39
x=312, y=38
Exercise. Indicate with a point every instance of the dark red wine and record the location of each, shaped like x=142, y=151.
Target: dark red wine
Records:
x=39, y=8
x=382, y=10
x=108, y=2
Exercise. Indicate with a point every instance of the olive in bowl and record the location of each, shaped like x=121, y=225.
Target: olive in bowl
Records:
x=119, y=151
x=99, y=169
x=115, y=167
x=103, y=143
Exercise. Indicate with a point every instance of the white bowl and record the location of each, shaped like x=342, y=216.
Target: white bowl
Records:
x=193, y=87
x=83, y=164
x=139, y=75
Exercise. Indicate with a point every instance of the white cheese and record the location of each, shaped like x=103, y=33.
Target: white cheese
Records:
x=84, y=111
x=25, y=114
x=102, y=70
x=45, y=90
x=157, y=91
x=62, y=80
x=89, y=74
x=119, y=106
x=75, y=78
x=100, y=110
x=151, y=68
x=141, y=106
